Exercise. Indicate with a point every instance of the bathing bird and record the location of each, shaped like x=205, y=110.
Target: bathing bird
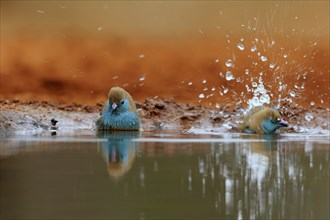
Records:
x=262, y=120
x=119, y=112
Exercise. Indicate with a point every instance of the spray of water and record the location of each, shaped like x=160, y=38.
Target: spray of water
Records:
x=268, y=65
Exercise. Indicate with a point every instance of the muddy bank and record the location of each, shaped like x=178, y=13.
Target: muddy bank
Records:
x=34, y=117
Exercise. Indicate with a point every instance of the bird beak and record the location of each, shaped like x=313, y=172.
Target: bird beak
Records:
x=114, y=106
x=283, y=123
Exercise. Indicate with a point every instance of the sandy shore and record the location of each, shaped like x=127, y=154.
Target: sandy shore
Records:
x=34, y=117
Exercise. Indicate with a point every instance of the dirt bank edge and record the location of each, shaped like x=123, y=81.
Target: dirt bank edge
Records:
x=26, y=117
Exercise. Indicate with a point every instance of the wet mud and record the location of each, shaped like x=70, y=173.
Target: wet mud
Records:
x=37, y=117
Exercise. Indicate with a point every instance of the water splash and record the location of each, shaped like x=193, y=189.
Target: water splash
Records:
x=272, y=58
x=260, y=95
x=240, y=46
x=229, y=63
x=309, y=117
x=292, y=93
x=229, y=76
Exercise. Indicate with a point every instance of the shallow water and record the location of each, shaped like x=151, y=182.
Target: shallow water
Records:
x=165, y=176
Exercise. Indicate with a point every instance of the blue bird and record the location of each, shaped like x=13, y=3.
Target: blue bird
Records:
x=262, y=120
x=119, y=112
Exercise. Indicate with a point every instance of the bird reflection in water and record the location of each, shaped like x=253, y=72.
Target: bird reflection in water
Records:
x=118, y=151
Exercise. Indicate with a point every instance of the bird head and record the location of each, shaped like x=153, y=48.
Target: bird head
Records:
x=271, y=120
x=120, y=100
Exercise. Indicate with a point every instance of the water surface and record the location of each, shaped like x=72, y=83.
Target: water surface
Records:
x=165, y=176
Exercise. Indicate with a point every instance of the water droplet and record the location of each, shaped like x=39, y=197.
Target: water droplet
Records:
x=141, y=56
x=229, y=76
x=272, y=65
x=309, y=117
x=142, y=78
x=265, y=98
x=312, y=103
x=242, y=39
x=255, y=101
x=201, y=96
x=225, y=90
x=217, y=105
x=254, y=84
x=292, y=93
x=229, y=63
x=285, y=55
x=99, y=28
x=247, y=88
x=240, y=46
x=253, y=48
x=213, y=89
x=204, y=81
x=246, y=71
x=217, y=60
x=189, y=83
x=263, y=58
x=296, y=18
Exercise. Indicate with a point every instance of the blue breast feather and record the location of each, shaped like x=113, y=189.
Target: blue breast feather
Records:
x=128, y=120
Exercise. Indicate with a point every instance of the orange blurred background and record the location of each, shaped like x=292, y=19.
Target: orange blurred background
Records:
x=75, y=51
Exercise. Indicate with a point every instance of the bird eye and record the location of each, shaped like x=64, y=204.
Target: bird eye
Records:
x=122, y=102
